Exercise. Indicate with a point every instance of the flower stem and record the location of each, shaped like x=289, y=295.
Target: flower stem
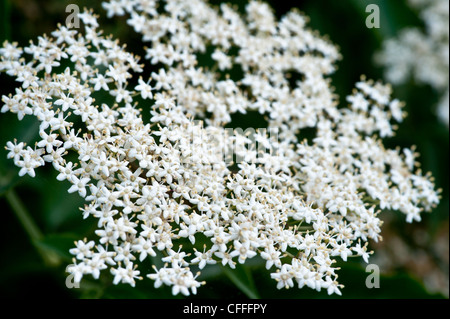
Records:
x=30, y=227
x=244, y=285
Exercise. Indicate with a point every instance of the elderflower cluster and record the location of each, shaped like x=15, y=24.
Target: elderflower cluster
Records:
x=422, y=55
x=194, y=193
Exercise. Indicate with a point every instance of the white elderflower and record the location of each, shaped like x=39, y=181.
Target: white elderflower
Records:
x=30, y=159
x=242, y=250
x=203, y=258
x=83, y=250
x=422, y=55
x=145, y=89
x=126, y=274
x=79, y=185
x=11, y=51
x=222, y=59
x=284, y=277
x=220, y=196
x=15, y=150
x=18, y=105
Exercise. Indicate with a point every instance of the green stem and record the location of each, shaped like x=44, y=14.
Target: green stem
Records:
x=30, y=227
x=244, y=287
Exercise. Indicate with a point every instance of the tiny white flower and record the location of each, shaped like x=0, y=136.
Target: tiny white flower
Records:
x=145, y=89
x=79, y=185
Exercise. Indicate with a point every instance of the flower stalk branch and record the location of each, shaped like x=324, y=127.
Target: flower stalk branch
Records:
x=30, y=227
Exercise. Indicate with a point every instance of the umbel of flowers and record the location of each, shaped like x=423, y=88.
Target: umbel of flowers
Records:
x=169, y=189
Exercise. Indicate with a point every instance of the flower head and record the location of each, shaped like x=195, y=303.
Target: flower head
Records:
x=298, y=204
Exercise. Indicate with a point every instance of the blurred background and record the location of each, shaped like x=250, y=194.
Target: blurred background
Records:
x=413, y=258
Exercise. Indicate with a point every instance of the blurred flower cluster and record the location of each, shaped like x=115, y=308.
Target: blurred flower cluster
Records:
x=184, y=189
x=422, y=54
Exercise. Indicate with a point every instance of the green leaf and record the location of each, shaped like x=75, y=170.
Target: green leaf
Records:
x=7, y=180
x=143, y=290
x=242, y=278
x=62, y=208
x=5, y=26
x=396, y=285
x=59, y=243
